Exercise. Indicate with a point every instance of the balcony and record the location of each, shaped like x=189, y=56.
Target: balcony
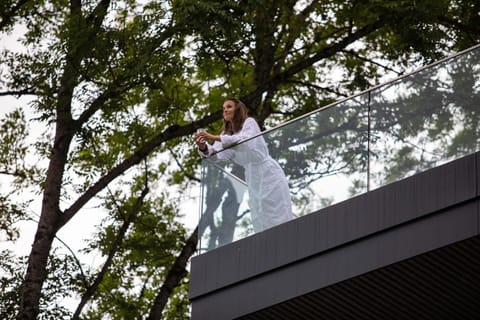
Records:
x=384, y=186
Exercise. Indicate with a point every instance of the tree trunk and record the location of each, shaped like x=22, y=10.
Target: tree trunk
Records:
x=36, y=271
x=50, y=217
x=46, y=230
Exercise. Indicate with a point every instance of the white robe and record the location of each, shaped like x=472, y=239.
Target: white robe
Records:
x=269, y=194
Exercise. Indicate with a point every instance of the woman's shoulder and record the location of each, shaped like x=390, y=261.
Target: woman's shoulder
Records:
x=250, y=119
x=250, y=124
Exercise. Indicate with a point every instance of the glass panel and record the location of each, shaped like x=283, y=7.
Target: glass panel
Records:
x=324, y=155
x=225, y=216
x=367, y=141
x=426, y=119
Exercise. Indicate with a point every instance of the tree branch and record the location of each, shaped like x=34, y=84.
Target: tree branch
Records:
x=305, y=63
x=317, y=87
x=111, y=253
x=18, y=92
x=328, y=51
x=356, y=55
x=448, y=22
x=7, y=17
x=176, y=273
x=77, y=261
x=16, y=173
x=188, y=175
x=174, y=131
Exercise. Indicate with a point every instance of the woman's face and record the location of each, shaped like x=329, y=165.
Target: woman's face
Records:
x=228, y=110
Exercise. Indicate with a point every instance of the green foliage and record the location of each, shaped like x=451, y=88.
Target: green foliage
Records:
x=10, y=279
x=13, y=134
x=10, y=213
x=62, y=272
x=15, y=169
x=178, y=307
x=147, y=250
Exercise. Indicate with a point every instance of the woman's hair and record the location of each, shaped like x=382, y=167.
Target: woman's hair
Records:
x=240, y=114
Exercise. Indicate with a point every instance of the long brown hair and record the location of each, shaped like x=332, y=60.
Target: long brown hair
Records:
x=240, y=114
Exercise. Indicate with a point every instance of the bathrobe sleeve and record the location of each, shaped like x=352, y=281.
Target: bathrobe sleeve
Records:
x=215, y=152
x=250, y=128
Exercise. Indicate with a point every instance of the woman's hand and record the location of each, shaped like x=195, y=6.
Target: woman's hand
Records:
x=203, y=136
x=201, y=141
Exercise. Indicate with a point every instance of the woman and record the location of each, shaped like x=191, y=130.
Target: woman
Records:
x=269, y=194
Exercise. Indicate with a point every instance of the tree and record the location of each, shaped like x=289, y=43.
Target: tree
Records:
x=90, y=101
x=120, y=87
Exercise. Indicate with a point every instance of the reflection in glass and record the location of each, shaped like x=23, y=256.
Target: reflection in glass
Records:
x=225, y=215
x=324, y=155
x=426, y=119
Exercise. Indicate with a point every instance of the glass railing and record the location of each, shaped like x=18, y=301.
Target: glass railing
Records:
x=385, y=134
